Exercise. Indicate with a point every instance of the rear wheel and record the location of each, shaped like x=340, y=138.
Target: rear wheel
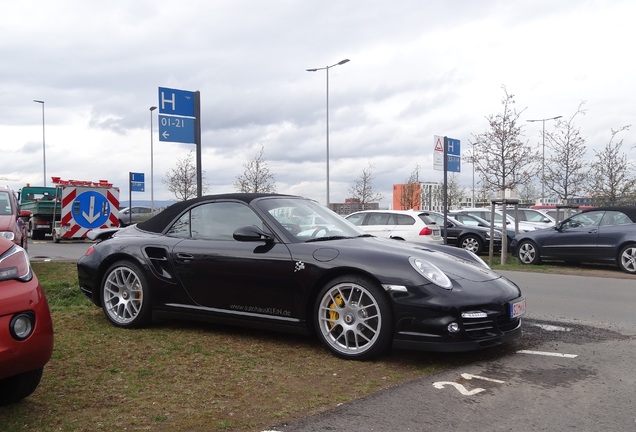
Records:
x=528, y=253
x=472, y=243
x=126, y=296
x=627, y=259
x=353, y=318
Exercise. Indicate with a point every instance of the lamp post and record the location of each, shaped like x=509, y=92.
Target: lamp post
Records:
x=152, y=187
x=543, y=157
x=326, y=68
x=43, y=140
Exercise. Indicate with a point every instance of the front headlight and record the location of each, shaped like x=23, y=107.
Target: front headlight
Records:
x=8, y=235
x=496, y=234
x=431, y=272
x=14, y=264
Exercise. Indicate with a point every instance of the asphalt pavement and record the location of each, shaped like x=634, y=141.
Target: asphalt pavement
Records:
x=572, y=370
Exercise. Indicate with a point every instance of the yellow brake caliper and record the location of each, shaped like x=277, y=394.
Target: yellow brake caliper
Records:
x=333, y=314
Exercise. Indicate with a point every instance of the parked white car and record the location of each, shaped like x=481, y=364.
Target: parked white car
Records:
x=409, y=225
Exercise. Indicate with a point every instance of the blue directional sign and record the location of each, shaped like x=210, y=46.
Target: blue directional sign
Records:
x=453, y=155
x=137, y=183
x=176, y=102
x=91, y=209
x=176, y=129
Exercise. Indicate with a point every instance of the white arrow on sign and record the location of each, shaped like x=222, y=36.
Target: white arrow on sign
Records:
x=91, y=208
x=165, y=134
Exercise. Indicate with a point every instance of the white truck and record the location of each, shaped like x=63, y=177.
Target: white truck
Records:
x=85, y=205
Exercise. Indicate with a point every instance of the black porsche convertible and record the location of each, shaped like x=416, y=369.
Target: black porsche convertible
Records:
x=287, y=263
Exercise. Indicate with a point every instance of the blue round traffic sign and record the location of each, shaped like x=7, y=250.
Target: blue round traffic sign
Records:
x=91, y=209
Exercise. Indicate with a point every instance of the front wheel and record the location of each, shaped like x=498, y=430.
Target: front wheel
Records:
x=528, y=253
x=627, y=259
x=353, y=318
x=125, y=295
x=16, y=388
x=472, y=243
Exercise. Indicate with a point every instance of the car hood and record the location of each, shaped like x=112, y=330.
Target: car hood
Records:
x=457, y=263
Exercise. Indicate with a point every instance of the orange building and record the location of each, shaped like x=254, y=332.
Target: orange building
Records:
x=407, y=196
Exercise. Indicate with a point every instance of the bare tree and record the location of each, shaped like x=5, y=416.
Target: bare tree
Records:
x=455, y=192
x=504, y=161
x=528, y=192
x=612, y=179
x=182, y=180
x=410, y=195
x=362, y=189
x=567, y=172
x=257, y=177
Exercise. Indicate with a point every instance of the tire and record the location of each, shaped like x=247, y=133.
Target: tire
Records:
x=125, y=295
x=528, y=253
x=353, y=318
x=627, y=259
x=472, y=243
x=16, y=388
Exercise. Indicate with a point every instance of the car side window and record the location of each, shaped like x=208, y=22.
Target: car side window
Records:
x=583, y=220
x=356, y=219
x=214, y=221
x=402, y=219
x=615, y=218
x=378, y=219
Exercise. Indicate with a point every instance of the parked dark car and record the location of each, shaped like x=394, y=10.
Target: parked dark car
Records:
x=600, y=235
x=475, y=239
x=472, y=220
x=12, y=225
x=246, y=259
x=26, y=329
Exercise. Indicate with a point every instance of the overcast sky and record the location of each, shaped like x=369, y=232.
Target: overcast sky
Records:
x=417, y=69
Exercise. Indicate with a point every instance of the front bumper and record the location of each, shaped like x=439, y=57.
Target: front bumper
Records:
x=444, y=325
x=19, y=356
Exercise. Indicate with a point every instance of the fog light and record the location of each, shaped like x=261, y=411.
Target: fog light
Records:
x=21, y=326
x=453, y=327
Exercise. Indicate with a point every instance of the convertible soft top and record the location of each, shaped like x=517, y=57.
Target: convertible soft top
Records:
x=160, y=222
x=630, y=211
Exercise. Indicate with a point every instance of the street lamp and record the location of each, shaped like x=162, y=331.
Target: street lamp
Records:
x=543, y=158
x=152, y=187
x=326, y=68
x=43, y=141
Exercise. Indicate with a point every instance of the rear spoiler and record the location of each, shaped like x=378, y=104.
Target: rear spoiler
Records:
x=101, y=234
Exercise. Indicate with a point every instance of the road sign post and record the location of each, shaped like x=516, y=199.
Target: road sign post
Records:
x=180, y=121
x=136, y=183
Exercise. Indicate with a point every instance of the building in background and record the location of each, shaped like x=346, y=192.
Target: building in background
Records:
x=424, y=196
x=352, y=205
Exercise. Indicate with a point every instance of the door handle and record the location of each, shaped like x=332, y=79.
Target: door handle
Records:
x=186, y=257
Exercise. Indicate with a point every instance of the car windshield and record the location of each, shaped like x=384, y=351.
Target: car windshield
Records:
x=5, y=204
x=307, y=220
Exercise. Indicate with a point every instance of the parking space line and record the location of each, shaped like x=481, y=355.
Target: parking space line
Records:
x=548, y=354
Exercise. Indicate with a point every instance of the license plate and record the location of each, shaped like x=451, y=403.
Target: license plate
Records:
x=518, y=308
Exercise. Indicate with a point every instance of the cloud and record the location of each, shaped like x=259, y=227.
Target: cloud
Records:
x=417, y=69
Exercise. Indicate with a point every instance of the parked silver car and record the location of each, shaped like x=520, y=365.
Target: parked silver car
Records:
x=136, y=214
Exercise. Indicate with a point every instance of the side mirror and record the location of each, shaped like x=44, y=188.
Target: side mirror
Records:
x=251, y=233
